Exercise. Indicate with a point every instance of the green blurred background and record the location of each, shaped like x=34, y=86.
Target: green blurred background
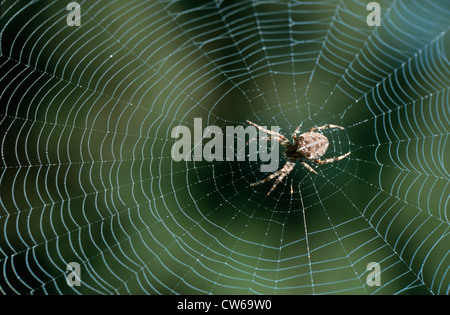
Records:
x=87, y=175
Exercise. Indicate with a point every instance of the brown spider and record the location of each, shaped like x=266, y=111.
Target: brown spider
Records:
x=310, y=145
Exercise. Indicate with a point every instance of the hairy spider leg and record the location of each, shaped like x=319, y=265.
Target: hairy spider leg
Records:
x=259, y=138
x=271, y=176
x=308, y=167
x=280, y=175
x=296, y=131
x=333, y=159
x=275, y=135
x=327, y=126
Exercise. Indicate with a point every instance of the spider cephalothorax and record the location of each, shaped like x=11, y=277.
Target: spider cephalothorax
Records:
x=310, y=145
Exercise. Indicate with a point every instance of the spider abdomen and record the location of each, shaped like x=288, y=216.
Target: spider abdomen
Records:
x=312, y=145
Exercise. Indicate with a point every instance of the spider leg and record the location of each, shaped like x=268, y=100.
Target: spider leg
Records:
x=308, y=167
x=287, y=168
x=294, y=135
x=327, y=126
x=275, y=135
x=258, y=138
x=280, y=175
x=334, y=159
x=271, y=176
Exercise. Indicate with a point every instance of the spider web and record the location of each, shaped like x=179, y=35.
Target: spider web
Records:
x=87, y=175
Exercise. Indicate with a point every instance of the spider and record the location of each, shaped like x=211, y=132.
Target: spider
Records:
x=310, y=145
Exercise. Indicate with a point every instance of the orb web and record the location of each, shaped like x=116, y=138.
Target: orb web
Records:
x=87, y=174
